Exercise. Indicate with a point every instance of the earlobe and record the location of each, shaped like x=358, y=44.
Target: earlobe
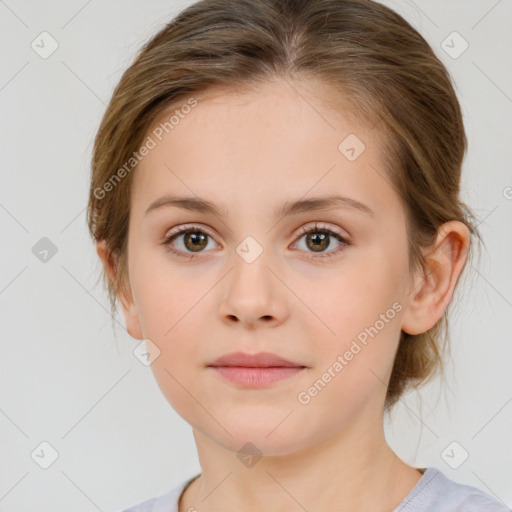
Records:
x=131, y=318
x=127, y=304
x=432, y=291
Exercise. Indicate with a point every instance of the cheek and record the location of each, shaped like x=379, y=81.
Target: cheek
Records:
x=170, y=312
x=165, y=293
x=353, y=367
x=360, y=322
x=352, y=299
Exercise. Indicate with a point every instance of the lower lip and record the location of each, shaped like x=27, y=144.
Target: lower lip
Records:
x=256, y=377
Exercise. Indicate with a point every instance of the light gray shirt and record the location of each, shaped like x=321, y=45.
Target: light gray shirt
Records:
x=434, y=492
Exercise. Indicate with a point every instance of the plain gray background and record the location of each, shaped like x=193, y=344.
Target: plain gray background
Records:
x=63, y=378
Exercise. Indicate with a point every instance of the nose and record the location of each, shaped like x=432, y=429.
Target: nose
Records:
x=253, y=295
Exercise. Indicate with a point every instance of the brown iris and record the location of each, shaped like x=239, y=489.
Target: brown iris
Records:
x=320, y=241
x=195, y=240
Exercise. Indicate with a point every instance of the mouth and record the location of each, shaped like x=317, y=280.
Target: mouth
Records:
x=255, y=370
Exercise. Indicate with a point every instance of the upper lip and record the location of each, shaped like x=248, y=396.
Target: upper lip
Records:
x=259, y=360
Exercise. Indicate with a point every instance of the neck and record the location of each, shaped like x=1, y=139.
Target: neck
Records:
x=354, y=470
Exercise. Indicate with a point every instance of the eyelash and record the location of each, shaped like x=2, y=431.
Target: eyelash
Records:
x=304, y=231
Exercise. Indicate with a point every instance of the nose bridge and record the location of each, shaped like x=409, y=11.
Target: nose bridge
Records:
x=250, y=275
x=252, y=291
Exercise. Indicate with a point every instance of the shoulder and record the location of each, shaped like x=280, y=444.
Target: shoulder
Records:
x=167, y=502
x=436, y=492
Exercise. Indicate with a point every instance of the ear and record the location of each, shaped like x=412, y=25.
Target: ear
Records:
x=128, y=305
x=433, y=290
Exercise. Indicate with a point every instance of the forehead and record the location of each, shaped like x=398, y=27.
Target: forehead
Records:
x=284, y=139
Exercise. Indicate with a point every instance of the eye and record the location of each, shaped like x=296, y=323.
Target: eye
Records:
x=319, y=238
x=195, y=239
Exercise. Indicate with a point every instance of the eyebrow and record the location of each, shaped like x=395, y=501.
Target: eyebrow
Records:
x=200, y=205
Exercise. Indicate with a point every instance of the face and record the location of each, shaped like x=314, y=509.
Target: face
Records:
x=245, y=279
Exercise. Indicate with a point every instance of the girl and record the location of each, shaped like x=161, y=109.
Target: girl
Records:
x=275, y=200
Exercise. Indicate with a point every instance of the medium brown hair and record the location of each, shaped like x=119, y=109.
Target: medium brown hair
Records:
x=383, y=71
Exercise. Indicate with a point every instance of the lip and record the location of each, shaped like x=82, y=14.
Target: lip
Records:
x=255, y=370
x=256, y=377
x=259, y=360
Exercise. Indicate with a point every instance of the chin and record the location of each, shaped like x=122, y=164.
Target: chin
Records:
x=255, y=443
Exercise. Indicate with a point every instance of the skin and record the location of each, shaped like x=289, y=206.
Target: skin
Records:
x=251, y=152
